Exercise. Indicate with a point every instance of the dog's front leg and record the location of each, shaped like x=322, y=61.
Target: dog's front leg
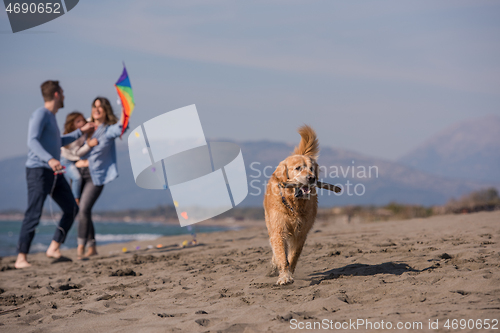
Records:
x=280, y=259
x=295, y=251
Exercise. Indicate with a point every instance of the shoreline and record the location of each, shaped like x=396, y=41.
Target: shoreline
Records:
x=98, y=219
x=117, y=232
x=437, y=268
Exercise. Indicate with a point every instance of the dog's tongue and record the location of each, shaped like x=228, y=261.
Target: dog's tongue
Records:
x=300, y=191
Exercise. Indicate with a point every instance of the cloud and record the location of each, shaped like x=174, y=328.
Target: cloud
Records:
x=393, y=42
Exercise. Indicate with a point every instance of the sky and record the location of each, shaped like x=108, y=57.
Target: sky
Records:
x=375, y=77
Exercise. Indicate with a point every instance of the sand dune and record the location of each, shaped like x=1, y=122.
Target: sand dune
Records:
x=441, y=268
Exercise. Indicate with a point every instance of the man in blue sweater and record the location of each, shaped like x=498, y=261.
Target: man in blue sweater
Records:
x=42, y=167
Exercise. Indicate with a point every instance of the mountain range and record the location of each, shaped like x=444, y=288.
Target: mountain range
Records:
x=466, y=150
x=457, y=161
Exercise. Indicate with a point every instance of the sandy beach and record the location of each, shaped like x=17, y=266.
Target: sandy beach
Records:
x=411, y=271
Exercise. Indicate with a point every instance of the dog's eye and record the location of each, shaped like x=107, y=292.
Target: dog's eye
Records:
x=312, y=169
x=298, y=168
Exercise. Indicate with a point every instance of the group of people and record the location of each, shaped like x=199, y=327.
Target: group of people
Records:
x=84, y=156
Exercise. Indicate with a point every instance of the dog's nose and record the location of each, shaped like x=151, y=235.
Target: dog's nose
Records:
x=311, y=179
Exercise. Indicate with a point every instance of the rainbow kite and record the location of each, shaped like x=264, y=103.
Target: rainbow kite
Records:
x=126, y=94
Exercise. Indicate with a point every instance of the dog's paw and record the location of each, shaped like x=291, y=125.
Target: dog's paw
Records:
x=285, y=278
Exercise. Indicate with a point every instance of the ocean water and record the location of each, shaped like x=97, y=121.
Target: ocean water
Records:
x=106, y=232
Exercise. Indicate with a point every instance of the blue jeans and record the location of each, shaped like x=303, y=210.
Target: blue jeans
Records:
x=73, y=177
x=42, y=182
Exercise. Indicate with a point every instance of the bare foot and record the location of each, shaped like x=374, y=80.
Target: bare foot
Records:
x=79, y=251
x=22, y=261
x=53, y=250
x=92, y=251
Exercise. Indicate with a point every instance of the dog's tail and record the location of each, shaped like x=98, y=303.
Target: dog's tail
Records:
x=308, y=144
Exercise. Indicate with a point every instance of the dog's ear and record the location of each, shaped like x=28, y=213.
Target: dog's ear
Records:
x=281, y=172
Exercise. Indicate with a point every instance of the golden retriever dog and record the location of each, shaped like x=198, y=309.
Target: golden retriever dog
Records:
x=290, y=211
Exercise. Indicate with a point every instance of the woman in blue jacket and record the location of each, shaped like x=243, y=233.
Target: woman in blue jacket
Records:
x=99, y=170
